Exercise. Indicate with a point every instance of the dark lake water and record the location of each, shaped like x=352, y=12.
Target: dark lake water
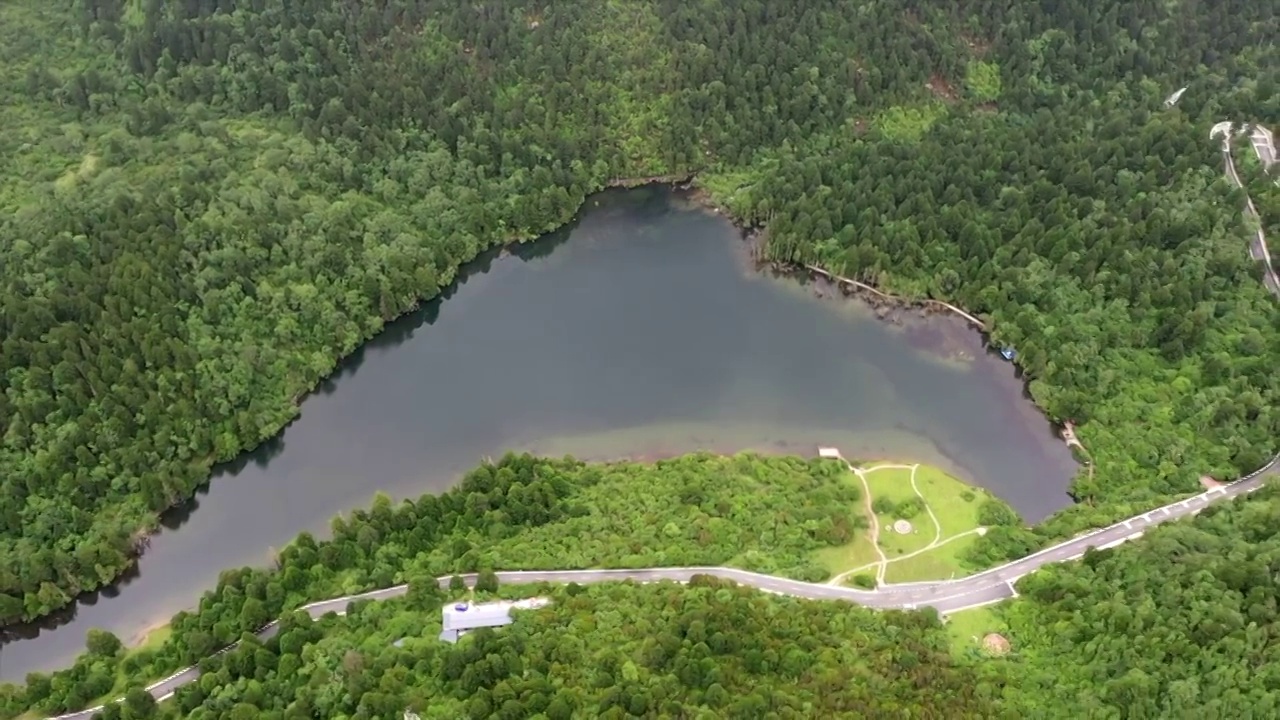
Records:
x=642, y=330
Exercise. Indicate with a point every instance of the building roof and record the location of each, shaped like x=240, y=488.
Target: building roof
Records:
x=476, y=616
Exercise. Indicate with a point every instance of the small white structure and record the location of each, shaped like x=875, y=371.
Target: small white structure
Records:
x=462, y=617
x=902, y=527
x=828, y=452
x=1174, y=98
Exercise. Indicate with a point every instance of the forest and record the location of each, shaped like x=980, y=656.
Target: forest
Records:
x=1181, y=623
x=767, y=514
x=711, y=650
x=208, y=202
x=708, y=650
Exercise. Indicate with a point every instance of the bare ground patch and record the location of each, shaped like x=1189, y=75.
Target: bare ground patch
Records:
x=978, y=46
x=942, y=89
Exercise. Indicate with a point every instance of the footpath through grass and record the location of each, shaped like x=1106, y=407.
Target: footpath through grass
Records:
x=924, y=521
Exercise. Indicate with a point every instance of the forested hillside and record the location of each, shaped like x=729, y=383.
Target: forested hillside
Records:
x=1181, y=623
x=765, y=514
x=206, y=203
x=710, y=650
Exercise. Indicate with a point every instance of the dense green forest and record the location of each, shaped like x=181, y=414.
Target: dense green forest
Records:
x=760, y=513
x=707, y=651
x=1263, y=186
x=206, y=203
x=1182, y=623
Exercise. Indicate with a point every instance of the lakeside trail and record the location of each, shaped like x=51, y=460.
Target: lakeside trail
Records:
x=635, y=182
x=1068, y=432
x=838, y=279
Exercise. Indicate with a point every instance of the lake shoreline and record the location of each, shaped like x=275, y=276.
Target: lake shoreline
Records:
x=160, y=628
x=881, y=301
x=141, y=537
x=169, y=522
x=885, y=305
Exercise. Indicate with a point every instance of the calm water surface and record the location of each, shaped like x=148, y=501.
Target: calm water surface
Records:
x=640, y=331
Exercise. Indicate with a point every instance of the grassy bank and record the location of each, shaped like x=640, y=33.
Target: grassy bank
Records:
x=926, y=522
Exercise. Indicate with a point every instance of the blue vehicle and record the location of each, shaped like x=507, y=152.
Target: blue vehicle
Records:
x=1008, y=353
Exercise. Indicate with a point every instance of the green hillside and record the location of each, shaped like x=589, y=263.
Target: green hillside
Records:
x=1182, y=623
x=206, y=203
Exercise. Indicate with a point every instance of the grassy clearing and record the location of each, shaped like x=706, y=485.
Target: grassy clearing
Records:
x=903, y=123
x=939, y=563
x=967, y=628
x=955, y=503
x=858, y=553
x=896, y=544
x=943, y=514
x=894, y=485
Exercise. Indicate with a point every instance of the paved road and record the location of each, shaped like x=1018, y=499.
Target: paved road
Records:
x=1264, y=145
x=1258, y=244
x=984, y=588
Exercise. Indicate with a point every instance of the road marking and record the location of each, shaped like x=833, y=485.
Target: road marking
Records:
x=972, y=606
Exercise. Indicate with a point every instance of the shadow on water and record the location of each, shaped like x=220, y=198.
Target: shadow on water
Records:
x=394, y=333
x=28, y=631
x=402, y=329
x=170, y=520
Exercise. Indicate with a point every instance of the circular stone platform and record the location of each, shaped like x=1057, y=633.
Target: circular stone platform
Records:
x=996, y=644
x=902, y=527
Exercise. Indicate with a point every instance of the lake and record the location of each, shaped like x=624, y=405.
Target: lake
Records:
x=642, y=330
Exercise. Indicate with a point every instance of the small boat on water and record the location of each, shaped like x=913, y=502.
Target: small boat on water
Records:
x=1008, y=353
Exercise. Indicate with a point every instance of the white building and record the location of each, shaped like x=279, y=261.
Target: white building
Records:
x=462, y=617
x=1174, y=98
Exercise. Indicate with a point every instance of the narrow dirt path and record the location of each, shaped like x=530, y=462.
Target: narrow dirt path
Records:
x=937, y=526
x=838, y=579
x=894, y=298
x=875, y=524
x=888, y=466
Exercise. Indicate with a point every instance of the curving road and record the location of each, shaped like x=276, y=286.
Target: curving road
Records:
x=1262, y=145
x=945, y=596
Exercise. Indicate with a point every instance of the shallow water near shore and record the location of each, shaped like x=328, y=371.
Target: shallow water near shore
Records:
x=641, y=331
